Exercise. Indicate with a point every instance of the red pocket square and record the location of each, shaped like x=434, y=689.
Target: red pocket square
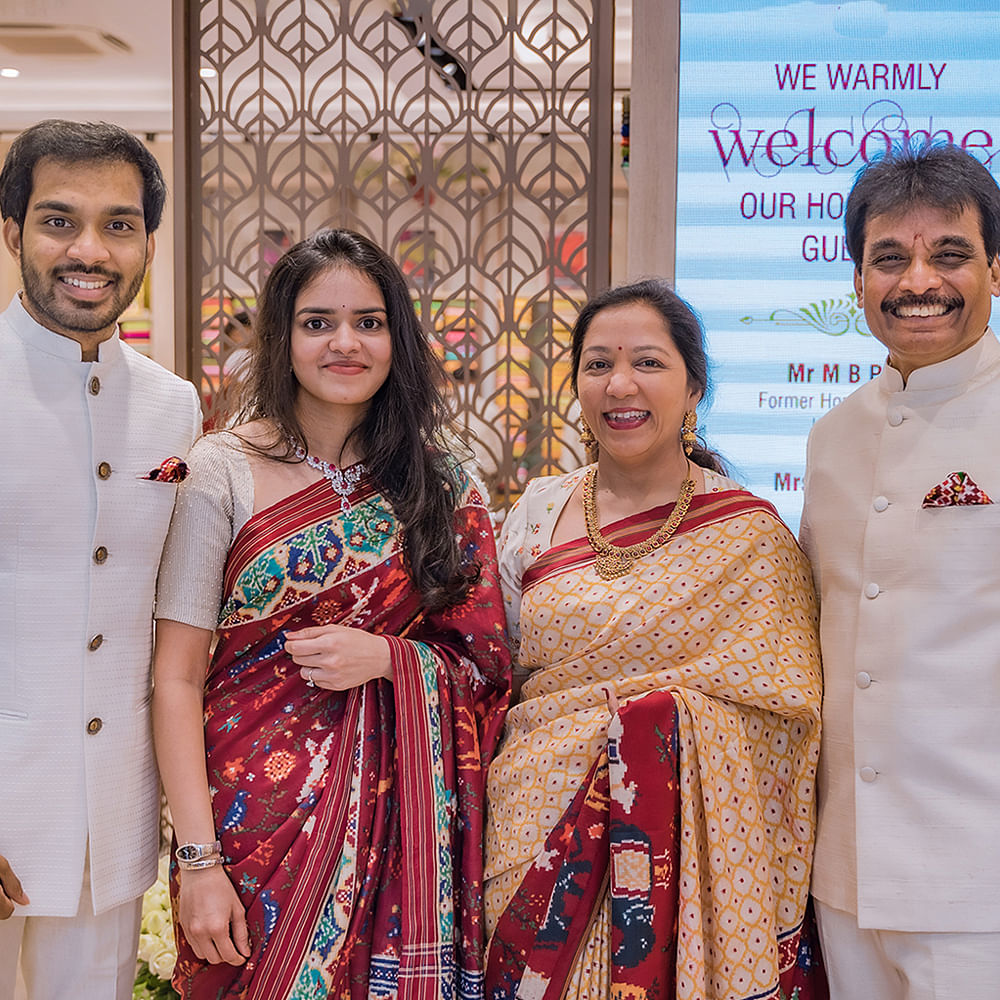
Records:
x=958, y=490
x=170, y=470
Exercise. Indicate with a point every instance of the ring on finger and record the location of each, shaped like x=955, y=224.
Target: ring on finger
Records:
x=309, y=677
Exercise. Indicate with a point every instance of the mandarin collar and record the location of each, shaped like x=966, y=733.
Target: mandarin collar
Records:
x=955, y=371
x=41, y=338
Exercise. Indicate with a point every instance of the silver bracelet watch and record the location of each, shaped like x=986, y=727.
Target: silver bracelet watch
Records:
x=188, y=853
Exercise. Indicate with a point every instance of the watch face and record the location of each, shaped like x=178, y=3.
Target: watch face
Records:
x=188, y=853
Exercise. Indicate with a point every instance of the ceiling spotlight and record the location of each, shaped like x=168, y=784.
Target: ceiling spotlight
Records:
x=9, y=73
x=207, y=73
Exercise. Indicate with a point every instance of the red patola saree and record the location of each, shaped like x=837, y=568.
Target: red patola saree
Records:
x=351, y=822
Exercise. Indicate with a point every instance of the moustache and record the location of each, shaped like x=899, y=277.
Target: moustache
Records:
x=916, y=301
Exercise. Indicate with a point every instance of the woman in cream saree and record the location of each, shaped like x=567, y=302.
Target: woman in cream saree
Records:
x=650, y=811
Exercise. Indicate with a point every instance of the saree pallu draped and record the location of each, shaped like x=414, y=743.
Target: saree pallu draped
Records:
x=351, y=822
x=664, y=850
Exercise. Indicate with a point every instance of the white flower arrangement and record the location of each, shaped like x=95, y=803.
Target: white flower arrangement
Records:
x=157, y=949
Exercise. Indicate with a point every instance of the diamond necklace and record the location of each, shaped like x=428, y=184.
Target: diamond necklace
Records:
x=342, y=480
x=613, y=561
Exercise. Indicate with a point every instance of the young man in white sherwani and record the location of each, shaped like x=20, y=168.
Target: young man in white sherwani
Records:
x=902, y=523
x=87, y=427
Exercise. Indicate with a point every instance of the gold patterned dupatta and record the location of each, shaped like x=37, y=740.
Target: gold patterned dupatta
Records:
x=723, y=618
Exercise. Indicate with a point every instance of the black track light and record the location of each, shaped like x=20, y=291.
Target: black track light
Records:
x=449, y=67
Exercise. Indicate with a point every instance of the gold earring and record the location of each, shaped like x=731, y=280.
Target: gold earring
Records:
x=587, y=438
x=688, y=429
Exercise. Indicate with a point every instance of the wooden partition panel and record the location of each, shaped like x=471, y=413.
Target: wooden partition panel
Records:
x=471, y=138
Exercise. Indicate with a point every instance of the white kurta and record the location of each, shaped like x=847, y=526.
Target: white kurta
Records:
x=909, y=788
x=80, y=538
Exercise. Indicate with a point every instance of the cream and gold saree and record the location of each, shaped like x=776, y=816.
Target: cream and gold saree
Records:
x=669, y=856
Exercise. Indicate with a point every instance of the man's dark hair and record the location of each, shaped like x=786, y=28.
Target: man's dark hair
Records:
x=72, y=143
x=940, y=176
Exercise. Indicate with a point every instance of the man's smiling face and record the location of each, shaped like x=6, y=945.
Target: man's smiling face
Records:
x=925, y=284
x=83, y=249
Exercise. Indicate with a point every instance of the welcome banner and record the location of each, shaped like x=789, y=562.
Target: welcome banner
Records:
x=779, y=107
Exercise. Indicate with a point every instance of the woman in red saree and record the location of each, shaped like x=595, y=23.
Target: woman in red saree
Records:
x=325, y=778
x=651, y=813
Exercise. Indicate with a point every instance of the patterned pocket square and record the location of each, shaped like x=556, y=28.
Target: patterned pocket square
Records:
x=170, y=470
x=957, y=490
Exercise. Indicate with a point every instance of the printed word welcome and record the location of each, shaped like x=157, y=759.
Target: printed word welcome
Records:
x=805, y=141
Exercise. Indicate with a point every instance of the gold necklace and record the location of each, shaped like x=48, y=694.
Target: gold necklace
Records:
x=613, y=561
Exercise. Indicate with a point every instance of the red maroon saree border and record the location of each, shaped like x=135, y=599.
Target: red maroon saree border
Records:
x=706, y=508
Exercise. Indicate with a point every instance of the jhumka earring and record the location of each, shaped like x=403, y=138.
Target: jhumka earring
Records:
x=587, y=438
x=688, y=429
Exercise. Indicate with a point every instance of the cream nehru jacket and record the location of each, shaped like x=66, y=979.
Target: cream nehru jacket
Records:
x=81, y=532
x=909, y=787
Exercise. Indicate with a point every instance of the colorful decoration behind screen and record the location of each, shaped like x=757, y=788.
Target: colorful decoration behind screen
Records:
x=780, y=105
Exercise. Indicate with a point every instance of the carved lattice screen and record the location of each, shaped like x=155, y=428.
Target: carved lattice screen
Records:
x=472, y=138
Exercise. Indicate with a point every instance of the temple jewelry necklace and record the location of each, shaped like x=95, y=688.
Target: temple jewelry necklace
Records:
x=342, y=480
x=613, y=561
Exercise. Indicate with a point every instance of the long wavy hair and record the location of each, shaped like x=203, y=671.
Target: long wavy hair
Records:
x=400, y=435
x=684, y=329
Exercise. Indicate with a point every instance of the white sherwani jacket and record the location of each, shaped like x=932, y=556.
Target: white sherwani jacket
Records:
x=80, y=539
x=909, y=821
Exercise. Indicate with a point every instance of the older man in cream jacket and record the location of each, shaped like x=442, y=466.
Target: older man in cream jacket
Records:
x=902, y=523
x=92, y=437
